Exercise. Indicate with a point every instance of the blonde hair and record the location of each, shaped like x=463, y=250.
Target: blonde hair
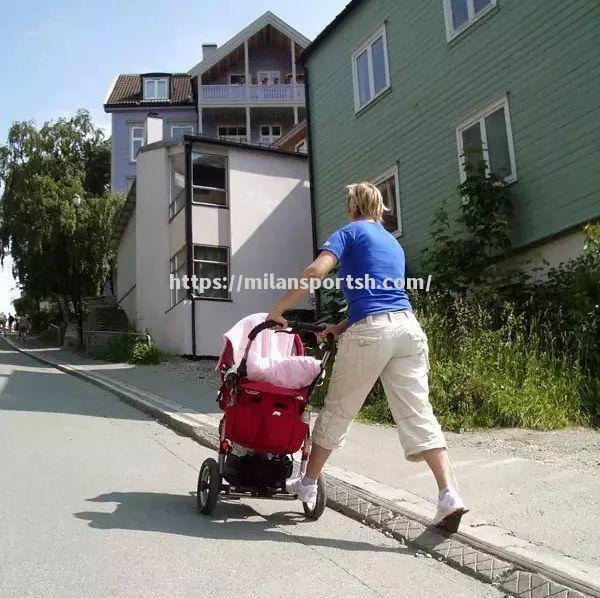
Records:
x=365, y=202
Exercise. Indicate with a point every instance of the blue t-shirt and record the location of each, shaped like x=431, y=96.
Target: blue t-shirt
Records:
x=363, y=248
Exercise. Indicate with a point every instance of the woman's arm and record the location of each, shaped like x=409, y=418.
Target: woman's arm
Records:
x=319, y=269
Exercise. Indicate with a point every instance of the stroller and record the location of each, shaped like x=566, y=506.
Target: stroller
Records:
x=267, y=424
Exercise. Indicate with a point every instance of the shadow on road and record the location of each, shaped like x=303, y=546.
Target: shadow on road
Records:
x=28, y=385
x=233, y=520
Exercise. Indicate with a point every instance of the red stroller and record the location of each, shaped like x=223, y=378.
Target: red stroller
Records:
x=271, y=423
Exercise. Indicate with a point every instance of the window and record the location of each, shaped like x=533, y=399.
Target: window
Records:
x=237, y=79
x=137, y=137
x=370, y=70
x=487, y=136
x=178, y=268
x=177, y=192
x=232, y=133
x=213, y=263
x=156, y=89
x=388, y=185
x=209, y=179
x=178, y=131
x=301, y=147
x=459, y=14
x=299, y=77
x=268, y=77
x=269, y=133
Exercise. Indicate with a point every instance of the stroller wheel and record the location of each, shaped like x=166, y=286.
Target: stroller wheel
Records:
x=314, y=511
x=209, y=486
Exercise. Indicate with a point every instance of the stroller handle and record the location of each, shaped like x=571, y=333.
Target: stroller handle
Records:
x=294, y=325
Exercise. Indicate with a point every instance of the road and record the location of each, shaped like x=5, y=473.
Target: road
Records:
x=97, y=501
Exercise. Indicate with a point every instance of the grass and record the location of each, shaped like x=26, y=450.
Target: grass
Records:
x=489, y=375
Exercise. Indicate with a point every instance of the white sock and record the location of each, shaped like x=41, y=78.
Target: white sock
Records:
x=306, y=481
x=446, y=490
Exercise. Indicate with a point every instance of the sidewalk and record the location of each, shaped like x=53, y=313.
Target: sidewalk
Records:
x=542, y=487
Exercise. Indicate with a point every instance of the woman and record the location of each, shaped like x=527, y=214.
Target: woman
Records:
x=381, y=338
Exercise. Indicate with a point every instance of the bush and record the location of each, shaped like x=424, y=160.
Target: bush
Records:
x=130, y=349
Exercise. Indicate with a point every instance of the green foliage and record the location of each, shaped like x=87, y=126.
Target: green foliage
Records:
x=41, y=170
x=512, y=373
x=130, y=349
x=460, y=257
x=570, y=303
x=485, y=375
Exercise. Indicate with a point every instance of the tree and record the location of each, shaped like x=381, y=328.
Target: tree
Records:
x=41, y=170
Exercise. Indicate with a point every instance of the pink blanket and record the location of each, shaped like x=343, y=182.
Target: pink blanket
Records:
x=270, y=358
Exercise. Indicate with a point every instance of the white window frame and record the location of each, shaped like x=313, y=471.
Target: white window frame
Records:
x=227, y=264
x=237, y=75
x=393, y=171
x=182, y=126
x=236, y=138
x=177, y=264
x=272, y=138
x=133, y=126
x=226, y=190
x=155, y=81
x=367, y=46
x=268, y=73
x=451, y=33
x=480, y=118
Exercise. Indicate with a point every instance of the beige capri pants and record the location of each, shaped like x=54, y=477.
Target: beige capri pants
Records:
x=394, y=347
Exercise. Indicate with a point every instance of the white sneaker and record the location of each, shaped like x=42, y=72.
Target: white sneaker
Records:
x=450, y=510
x=305, y=492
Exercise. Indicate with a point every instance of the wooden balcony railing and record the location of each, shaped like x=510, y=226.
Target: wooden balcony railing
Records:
x=232, y=94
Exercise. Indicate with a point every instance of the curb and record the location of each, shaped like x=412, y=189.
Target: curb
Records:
x=488, y=553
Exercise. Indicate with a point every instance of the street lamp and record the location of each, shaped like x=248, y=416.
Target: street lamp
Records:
x=77, y=203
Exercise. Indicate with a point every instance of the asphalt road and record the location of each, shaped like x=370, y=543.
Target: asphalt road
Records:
x=97, y=500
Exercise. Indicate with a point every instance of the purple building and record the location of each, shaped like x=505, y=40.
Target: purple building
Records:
x=250, y=90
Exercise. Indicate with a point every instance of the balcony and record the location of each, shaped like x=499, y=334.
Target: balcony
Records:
x=225, y=95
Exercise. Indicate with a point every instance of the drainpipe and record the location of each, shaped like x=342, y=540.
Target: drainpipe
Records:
x=188, y=237
x=311, y=179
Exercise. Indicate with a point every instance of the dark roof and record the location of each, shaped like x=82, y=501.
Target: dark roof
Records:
x=325, y=33
x=223, y=142
x=127, y=91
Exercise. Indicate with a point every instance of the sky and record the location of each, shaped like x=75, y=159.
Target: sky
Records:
x=61, y=55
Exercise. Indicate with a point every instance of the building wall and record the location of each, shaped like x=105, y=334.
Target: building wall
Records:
x=551, y=254
x=126, y=265
x=265, y=58
x=153, y=253
x=270, y=232
x=276, y=115
x=544, y=55
x=122, y=169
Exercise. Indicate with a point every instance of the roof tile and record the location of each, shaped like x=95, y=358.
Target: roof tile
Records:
x=127, y=91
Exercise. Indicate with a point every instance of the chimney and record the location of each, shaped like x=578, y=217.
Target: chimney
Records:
x=154, y=128
x=208, y=50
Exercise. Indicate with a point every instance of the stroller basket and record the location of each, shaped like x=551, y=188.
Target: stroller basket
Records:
x=266, y=418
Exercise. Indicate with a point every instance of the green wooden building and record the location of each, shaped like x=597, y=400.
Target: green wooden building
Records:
x=399, y=89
